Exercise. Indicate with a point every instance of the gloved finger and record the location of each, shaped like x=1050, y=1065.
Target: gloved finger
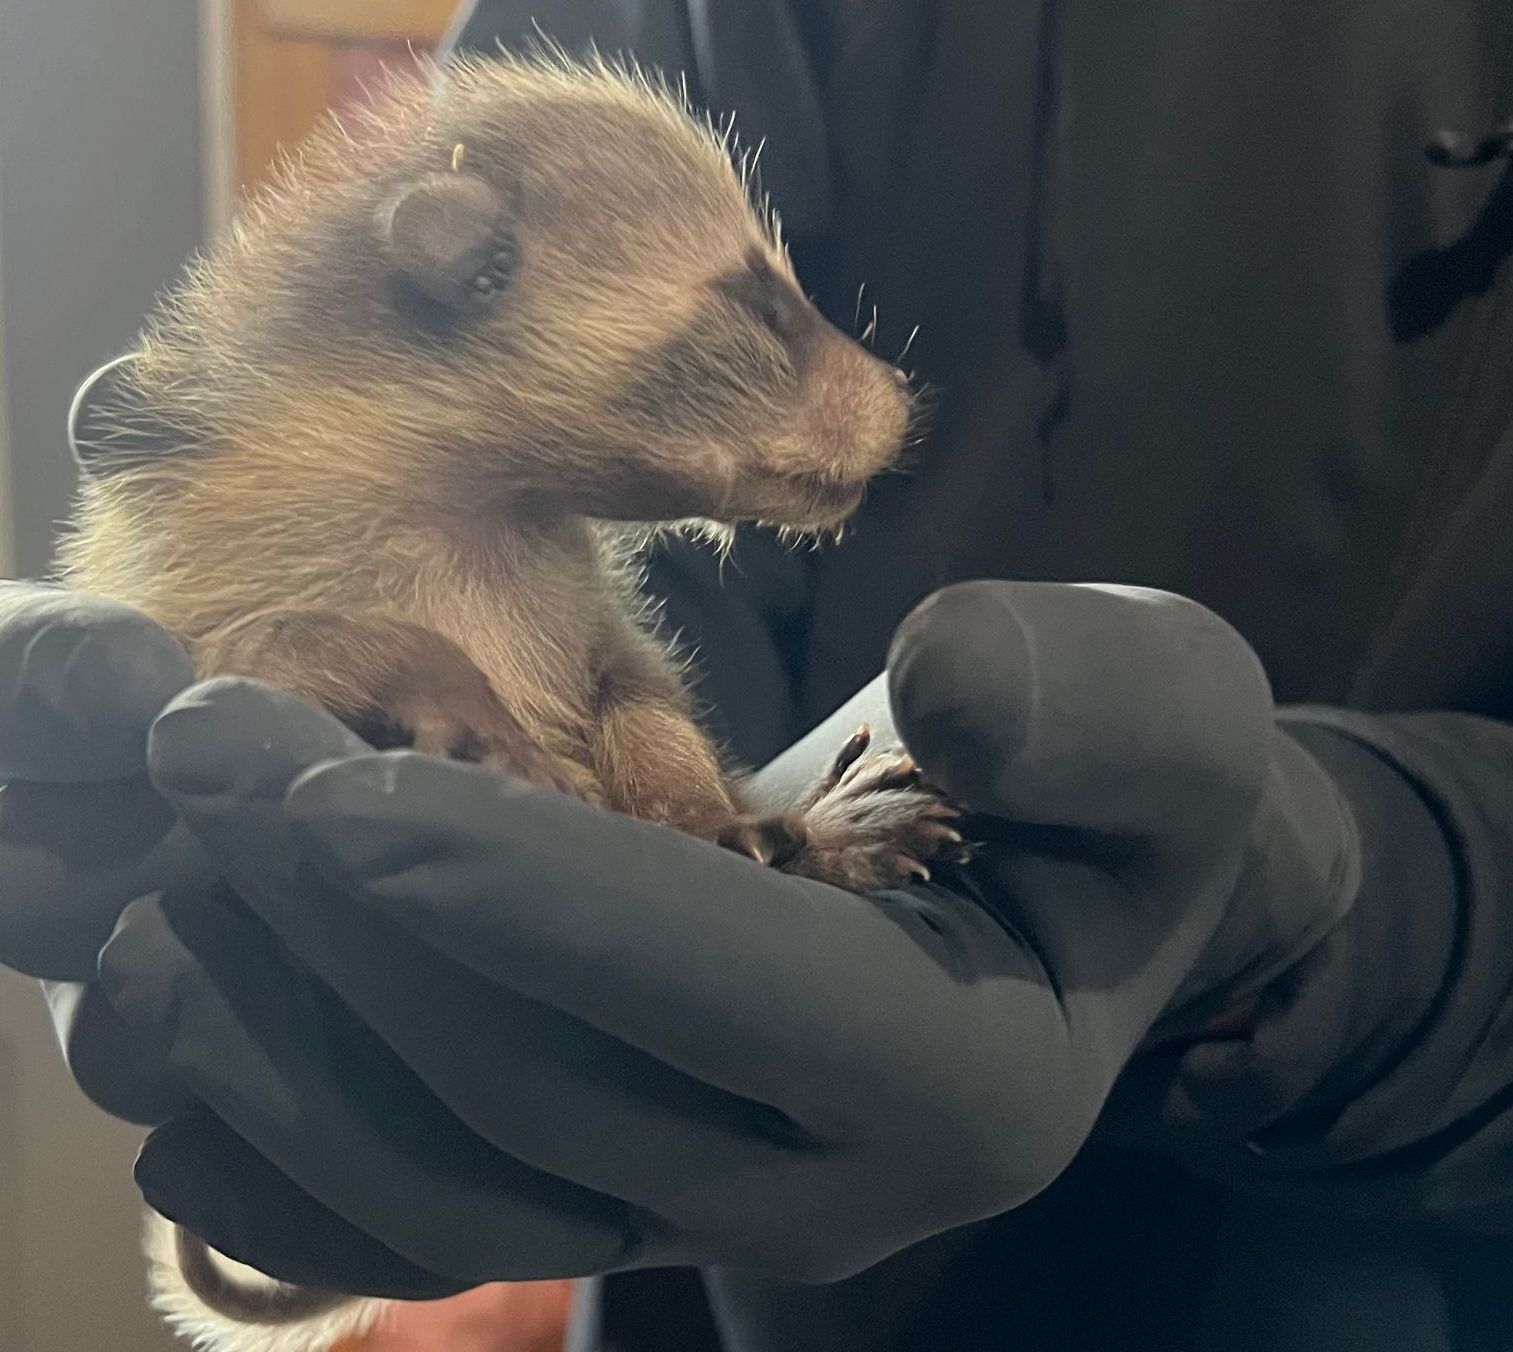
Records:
x=72, y=856
x=1110, y=710
x=197, y=1172
x=233, y=744
x=545, y=1088
x=742, y=977
x=532, y=1080
x=81, y=679
x=109, y=1062
x=290, y=1069
x=629, y=1113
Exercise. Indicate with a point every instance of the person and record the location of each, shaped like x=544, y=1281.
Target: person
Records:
x=1211, y=1048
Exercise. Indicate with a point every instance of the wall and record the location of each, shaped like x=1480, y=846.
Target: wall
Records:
x=71, y=1279
x=100, y=202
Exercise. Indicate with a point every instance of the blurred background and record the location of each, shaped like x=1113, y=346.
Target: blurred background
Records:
x=127, y=133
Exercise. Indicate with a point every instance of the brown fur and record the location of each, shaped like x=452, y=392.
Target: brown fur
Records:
x=423, y=516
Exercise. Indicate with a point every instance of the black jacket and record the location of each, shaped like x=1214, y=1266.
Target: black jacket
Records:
x=1202, y=314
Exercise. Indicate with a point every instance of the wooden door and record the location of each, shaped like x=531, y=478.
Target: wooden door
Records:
x=292, y=60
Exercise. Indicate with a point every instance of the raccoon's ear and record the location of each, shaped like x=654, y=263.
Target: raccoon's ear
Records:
x=109, y=426
x=451, y=239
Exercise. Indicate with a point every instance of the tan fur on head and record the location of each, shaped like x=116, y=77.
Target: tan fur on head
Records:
x=612, y=380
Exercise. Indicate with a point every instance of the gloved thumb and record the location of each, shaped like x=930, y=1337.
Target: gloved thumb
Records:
x=81, y=678
x=225, y=752
x=1114, y=710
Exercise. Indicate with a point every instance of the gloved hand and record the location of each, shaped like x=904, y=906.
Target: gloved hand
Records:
x=82, y=832
x=455, y=1030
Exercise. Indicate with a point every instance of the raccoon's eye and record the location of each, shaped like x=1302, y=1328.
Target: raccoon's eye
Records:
x=768, y=298
x=765, y=310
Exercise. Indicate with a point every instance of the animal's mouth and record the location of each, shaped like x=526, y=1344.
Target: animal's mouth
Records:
x=815, y=502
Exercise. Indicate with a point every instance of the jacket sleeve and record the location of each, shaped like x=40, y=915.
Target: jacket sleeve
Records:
x=1377, y=1078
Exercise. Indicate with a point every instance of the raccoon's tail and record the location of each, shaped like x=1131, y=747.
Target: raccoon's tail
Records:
x=218, y=1309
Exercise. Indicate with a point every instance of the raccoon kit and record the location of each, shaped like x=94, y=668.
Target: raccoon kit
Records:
x=396, y=441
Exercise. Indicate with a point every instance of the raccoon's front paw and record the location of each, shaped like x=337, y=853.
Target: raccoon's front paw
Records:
x=476, y=726
x=875, y=823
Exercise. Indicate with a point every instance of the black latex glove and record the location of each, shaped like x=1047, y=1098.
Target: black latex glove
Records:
x=82, y=831
x=520, y=1037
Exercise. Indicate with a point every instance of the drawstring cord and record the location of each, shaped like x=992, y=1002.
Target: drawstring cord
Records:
x=1042, y=311
x=1432, y=284
x=1479, y=396
x=1455, y=150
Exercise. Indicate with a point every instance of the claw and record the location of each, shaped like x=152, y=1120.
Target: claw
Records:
x=847, y=759
x=859, y=741
x=743, y=840
x=773, y=842
x=965, y=851
x=753, y=847
x=912, y=868
x=902, y=774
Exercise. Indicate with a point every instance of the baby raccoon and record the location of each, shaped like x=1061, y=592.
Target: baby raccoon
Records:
x=396, y=441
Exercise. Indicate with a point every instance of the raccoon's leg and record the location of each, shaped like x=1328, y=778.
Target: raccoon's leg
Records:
x=652, y=757
x=659, y=766
x=395, y=684
x=870, y=823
